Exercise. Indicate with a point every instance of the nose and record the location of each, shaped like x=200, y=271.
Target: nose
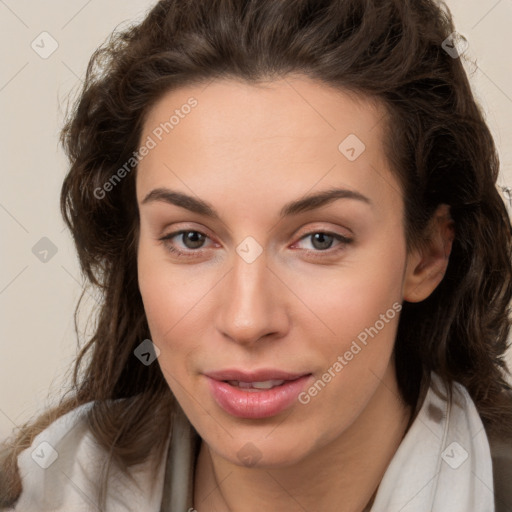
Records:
x=253, y=303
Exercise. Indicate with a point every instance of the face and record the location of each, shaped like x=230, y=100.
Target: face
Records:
x=275, y=313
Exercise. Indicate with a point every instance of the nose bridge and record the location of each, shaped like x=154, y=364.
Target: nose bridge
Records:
x=250, y=307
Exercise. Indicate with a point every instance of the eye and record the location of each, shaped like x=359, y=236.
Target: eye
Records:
x=322, y=241
x=191, y=239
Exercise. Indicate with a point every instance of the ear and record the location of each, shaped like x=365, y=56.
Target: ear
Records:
x=426, y=266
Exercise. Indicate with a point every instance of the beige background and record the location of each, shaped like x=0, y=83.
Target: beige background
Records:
x=37, y=299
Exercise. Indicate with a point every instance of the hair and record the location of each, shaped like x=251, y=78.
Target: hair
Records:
x=436, y=140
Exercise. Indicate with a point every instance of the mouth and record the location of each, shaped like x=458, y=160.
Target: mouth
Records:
x=259, y=394
x=256, y=386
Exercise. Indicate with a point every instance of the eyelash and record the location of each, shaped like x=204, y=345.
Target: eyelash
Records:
x=191, y=253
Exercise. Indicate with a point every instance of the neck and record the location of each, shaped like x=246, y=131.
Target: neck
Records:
x=342, y=476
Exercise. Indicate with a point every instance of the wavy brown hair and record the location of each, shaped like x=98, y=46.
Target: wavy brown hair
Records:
x=437, y=142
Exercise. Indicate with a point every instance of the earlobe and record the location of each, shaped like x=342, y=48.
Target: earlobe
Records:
x=426, y=266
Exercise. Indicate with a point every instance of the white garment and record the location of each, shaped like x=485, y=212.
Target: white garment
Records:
x=442, y=465
x=444, y=461
x=70, y=483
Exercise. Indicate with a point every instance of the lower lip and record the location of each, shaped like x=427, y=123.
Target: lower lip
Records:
x=256, y=404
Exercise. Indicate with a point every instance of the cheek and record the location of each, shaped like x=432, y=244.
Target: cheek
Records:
x=166, y=290
x=360, y=305
x=353, y=297
x=175, y=299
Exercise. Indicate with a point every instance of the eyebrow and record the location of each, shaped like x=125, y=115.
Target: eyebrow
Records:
x=305, y=204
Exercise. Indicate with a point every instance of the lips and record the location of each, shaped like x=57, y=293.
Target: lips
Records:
x=254, y=376
x=257, y=394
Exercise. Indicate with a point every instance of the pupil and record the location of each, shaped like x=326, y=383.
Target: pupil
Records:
x=320, y=236
x=194, y=237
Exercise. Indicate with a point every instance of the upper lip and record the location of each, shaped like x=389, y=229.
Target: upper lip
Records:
x=261, y=375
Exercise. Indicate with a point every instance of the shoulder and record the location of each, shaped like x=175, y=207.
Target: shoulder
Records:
x=61, y=471
x=501, y=453
x=500, y=448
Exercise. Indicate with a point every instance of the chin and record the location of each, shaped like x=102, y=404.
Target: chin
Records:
x=256, y=451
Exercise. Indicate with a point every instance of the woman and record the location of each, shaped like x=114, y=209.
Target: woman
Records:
x=291, y=210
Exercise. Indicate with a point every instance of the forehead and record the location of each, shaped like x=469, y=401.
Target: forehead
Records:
x=288, y=134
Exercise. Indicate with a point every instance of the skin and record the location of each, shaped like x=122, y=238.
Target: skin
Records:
x=247, y=150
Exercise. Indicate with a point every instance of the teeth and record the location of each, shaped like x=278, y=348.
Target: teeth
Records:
x=267, y=384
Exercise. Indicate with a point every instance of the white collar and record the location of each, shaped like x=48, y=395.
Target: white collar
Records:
x=444, y=461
